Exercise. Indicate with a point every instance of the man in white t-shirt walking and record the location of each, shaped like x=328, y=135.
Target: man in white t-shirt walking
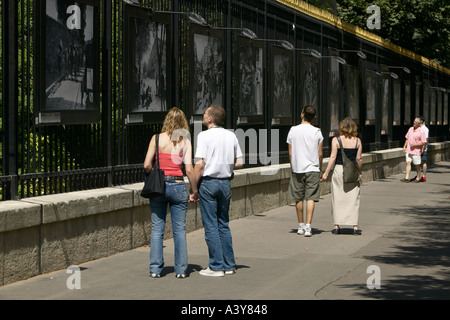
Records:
x=306, y=156
x=217, y=155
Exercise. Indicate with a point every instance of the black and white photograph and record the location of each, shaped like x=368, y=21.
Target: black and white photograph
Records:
x=396, y=101
x=432, y=95
x=71, y=56
x=385, y=99
x=439, y=107
x=250, y=80
x=147, y=84
x=334, y=91
x=353, y=93
x=310, y=84
x=282, y=83
x=371, y=96
x=445, y=121
x=426, y=103
x=407, y=115
x=207, y=76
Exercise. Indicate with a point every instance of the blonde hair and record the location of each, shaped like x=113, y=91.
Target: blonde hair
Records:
x=348, y=128
x=175, y=122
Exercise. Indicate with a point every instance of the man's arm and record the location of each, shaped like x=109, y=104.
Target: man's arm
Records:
x=320, y=156
x=198, y=173
x=238, y=163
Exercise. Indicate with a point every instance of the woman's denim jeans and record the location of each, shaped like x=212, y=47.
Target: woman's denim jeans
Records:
x=214, y=203
x=177, y=198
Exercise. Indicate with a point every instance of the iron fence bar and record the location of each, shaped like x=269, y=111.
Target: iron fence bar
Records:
x=10, y=97
x=107, y=86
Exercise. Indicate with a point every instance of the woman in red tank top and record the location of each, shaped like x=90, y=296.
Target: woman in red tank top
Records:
x=175, y=148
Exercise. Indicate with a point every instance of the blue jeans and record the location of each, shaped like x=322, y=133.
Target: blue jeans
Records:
x=214, y=196
x=177, y=198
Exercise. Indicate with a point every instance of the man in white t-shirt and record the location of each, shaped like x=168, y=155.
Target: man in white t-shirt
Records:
x=306, y=156
x=217, y=155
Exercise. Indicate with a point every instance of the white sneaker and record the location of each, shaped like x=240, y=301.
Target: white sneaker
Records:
x=211, y=273
x=229, y=272
x=308, y=232
x=301, y=231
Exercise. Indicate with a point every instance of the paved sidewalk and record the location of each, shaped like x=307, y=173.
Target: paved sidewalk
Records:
x=405, y=232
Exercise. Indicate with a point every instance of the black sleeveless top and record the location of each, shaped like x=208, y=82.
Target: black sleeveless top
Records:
x=349, y=152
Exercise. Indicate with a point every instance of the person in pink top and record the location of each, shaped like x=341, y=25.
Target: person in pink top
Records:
x=413, y=148
x=174, y=149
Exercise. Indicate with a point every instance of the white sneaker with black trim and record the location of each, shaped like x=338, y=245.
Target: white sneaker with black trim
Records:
x=308, y=232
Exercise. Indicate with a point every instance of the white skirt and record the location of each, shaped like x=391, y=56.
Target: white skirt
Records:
x=344, y=199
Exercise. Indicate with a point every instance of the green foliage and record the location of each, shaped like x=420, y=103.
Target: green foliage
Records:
x=422, y=26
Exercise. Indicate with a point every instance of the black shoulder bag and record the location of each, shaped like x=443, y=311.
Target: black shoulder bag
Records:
x=154, y=180
x=351, y=172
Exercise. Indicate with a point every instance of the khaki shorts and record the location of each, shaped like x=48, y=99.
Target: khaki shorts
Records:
x=304, y=186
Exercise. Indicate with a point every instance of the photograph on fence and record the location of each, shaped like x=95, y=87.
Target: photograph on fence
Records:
x=145, y=65
x=334, y=94
x=426, y=103
x=396, y=102
x=68, y=67
x=407, y=111
x=281, y=85
x=385, y=104
x=309, y=85
x=439, y=107
x=353, y=93
x=250, y=81
x=206, y=69
x=371, y=96
x=446, y=109
x=432, y=96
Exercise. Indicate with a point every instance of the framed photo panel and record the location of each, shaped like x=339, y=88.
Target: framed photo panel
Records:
x=68, y=60
x=371, y=96
x=439, y=107
x=206, y=70
x=432, y=93
x=353, y=93
x=407, y=111
x=418, y=88
x=281, y=84
x=385, y=104
x=146, y=69
x=334, y=94
x=396, y=102
x=445, y=121
x=426, y=104
x=309, y=84
x=250, y=81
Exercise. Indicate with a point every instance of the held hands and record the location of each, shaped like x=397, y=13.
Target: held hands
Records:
x=193, y=197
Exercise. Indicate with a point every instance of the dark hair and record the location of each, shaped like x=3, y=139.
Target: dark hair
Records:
x=309, y=113
x=422, y=119
x=218, y=114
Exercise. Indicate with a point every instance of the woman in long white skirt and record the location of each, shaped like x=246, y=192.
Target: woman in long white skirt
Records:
x=345, y=197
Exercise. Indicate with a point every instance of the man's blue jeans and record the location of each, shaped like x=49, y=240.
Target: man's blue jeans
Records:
x=177, y=198
x=214, y=196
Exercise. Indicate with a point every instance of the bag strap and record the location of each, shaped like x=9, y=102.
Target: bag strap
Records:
x=157, y=151
x=344, y=156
